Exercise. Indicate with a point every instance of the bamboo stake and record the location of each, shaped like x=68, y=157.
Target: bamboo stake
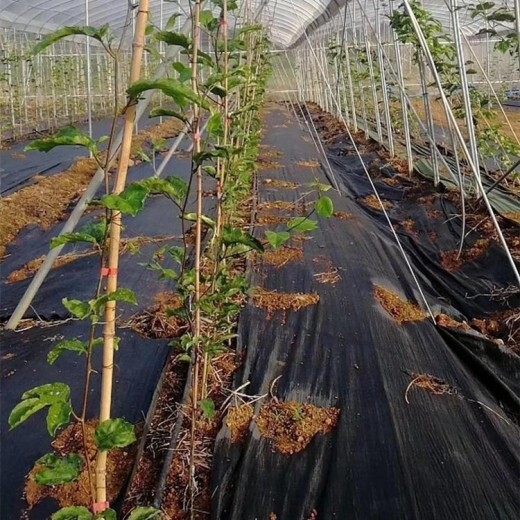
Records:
x=198, y=253
x=113, y=258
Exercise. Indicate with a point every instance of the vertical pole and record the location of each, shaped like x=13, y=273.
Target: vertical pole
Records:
x=113, y=260
x=89, y=73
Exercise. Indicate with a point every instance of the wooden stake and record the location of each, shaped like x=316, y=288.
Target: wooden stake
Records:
x=113, y=257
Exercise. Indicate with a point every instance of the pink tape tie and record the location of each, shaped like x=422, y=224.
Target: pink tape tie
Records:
x=108, y=271
x=99, y=507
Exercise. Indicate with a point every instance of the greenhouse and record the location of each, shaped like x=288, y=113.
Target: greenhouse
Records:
x=260, y=259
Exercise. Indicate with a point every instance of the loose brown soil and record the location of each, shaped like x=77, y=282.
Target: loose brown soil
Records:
x=451, y=261
x=268, y=165
x=77, y=493
x=446, y=321
x=402, y=311
x=291, y=426
x=343, y=216
x=238, y=420
x=44, y=203
x=270, y=220
x=283, y=185
x=276, y=205
x=282, y=256
x=372, y=202
x=308, y=164
x=273, y=301
x=31, y=267
x=155, y=323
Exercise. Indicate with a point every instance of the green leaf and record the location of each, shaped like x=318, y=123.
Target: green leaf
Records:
x=206, y=18
x=23, y=410
x=50, y=393
x=119, y=295
x=70, y=136
x=192, y=217
x=58, y=416
x=160, y=112
x=208, y=408
x=58, y=470
x=72, y=513
x=72, y=345
x=130, y=201
x=114, y=433
x=173, y=38
x=232, y=236
x=93, y=233
x=77, y=308
x=64, y=32
x=324, y=207
x=171, y=87
x=301, y=225
x=171, y=21
x=108, y=514
x=215, y=126
x=172, y=187
x=277, y=239
x=144, y=513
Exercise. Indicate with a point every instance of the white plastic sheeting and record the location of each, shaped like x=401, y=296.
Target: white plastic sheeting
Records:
x=286, y=19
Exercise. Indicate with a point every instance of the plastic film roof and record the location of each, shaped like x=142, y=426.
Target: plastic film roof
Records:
x=286, y=20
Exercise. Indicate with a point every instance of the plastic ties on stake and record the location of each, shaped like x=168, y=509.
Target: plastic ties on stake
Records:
x=223, y=22
x=196, y=137
x=108, y=271
x=99, y=507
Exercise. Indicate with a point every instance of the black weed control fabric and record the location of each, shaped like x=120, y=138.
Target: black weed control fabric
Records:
x=23, y=354
x=438, y=457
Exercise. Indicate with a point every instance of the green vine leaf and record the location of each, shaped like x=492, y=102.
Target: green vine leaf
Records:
x=77, y=308
x=302, y=225
x=173, y=38
x=232, y=236
x=64, y=32
x=324, y=207
x=23, y=410
x=208, y=408
x=108, y=514
x=144, y=513
x=172, y=187
x=72, y=345
x=58, y=416
x=130, y=201
x=114, y=433
x=70, y=136
x=192, y=217
x=58, y=470
x=180, y=93
x=277, y=239
x=163, y=112
x=119, y=295
x=72, y=513
x=92, y=233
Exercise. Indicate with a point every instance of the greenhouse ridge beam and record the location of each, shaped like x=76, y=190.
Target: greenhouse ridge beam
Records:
x=80, y=208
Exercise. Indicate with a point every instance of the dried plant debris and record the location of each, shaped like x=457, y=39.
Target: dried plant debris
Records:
x=270, y=220
x=343, y=216
x=119, y=465
x=372, y=202
x=515, y=217
x=273, y=183
x=159, y=322
x=30, y=268
x=282, y=256
x=502, y=327
x=402, y=311
x=451, y=260
x=308, y=164
x=431, y=384
x=270, y=155
x=276, y=205
x=291, y=426
x=269, y=165
x=329, y=273
x=273, y=301
x=238, y=420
